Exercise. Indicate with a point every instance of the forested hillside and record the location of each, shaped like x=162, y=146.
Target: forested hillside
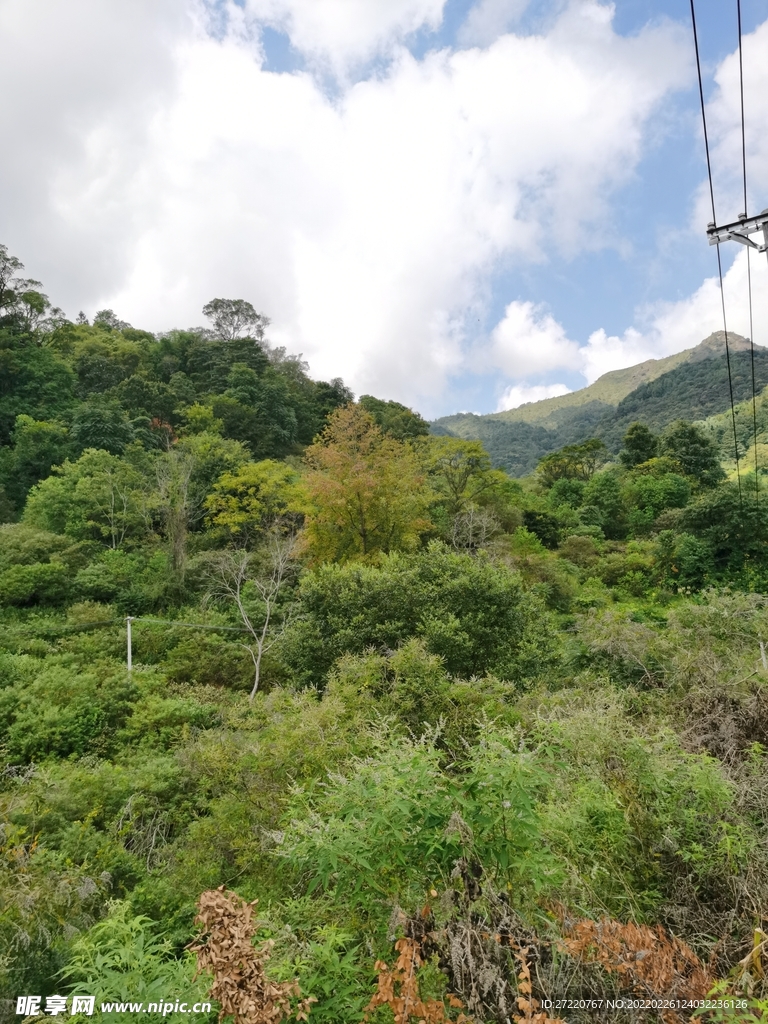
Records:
x=483, y=749
x=692, y=386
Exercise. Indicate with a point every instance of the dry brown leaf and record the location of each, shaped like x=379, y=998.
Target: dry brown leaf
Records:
x=225, y=948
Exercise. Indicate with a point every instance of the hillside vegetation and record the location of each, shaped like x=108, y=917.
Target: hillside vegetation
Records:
x=690, y=385
x=483, y=749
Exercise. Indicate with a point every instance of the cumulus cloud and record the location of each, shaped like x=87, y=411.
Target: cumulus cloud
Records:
x=528, y=342
x=724, y=122
x=163, y=166
x=344, y=32
x=489, y=19
x=520, y=394
x=82, y=82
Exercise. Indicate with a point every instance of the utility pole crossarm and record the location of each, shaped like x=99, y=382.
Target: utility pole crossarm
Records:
x=740, y=230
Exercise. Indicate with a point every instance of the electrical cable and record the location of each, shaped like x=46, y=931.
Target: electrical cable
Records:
x=191, y=625
x=749, y=263
x=719, y=259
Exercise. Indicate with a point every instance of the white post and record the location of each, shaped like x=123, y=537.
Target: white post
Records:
x=128, y=621
x=763, y=657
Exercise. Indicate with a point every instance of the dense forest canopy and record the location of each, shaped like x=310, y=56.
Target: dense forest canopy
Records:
x=473, y=742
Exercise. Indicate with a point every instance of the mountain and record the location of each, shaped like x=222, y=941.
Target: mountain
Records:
x=691, y=385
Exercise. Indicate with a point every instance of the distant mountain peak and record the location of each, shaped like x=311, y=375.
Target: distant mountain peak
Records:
x=714, y=346
x=693, y=384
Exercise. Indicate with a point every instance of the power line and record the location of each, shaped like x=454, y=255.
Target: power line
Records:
x=191, y=625
x=77, y=628
x=752, y=356
x=749, y=263
x=741, y=89
x=719, y=260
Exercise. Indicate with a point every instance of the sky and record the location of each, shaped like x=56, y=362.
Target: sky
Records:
x=456, y=204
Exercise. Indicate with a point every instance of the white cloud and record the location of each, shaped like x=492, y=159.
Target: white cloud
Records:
x=489, y=19
x=162, y=166
x=520, y=394
x=343, y=32
x=678, y=325
x=529, y=341
x=81, y=83
x=724, y=123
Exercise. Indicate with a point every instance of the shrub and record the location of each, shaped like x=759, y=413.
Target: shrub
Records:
x=473, y=614
x=63, y=712
x=44, y=582
x=208, y=659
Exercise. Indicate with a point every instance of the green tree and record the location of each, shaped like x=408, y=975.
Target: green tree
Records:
x=107, y=319
x=395, y=419
x=232, y=317
x=366, y=494
x=22, y=304
x=574, y=462
x=459, y=471
x=246, y=501
x=257, y=409
x=33, y=382
x=97, y=497
x=734, y=527
x=101, y=425
x=696, y=453
x=38, y=446
x=10, y=267
x=647, y=495
x=177, y=503
x=640, y=445
x=566, y=491
x=473, y=614
x=604, y=493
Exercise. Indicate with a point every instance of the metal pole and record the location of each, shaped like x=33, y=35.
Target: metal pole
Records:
x=128, y=621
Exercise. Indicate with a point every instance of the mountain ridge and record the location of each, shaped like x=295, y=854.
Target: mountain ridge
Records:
x=692, y=384
x=614, y=385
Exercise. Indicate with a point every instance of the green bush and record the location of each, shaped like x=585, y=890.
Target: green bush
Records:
x=160, y=722
x=412, y=688
x=397, y=822
x=21, y=544
x=135, y=583
x=42, y=583
x=122, y=959
x=633, y=814
x=475, y=615
x=209, y=659
x=63, y=712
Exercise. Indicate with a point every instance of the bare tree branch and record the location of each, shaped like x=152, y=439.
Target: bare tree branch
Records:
x=266, y=572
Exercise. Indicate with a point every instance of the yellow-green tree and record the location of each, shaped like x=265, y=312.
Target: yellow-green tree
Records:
x=247, y=501
x=365, y=491
x=458, y=470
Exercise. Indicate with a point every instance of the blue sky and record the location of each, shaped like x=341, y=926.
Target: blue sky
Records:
x=454, y=203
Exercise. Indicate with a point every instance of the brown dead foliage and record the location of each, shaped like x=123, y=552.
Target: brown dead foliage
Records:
x=646, y=960
x=398, y=988
x=528, y=1006
x=225, y=948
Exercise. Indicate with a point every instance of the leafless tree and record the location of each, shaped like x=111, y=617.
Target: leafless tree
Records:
x=473, y=528
x=177, y=502
x=114, y=504
x=254, y=582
